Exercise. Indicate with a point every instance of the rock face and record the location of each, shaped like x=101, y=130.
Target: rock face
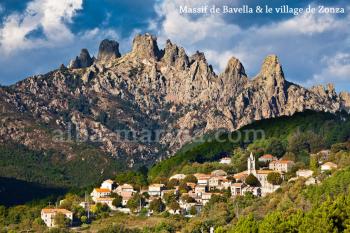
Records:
x=108, y=50
x=82, y=61
x=119, y=103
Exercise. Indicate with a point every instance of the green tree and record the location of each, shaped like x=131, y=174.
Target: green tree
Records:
x=314, y=163
x=190, y=179
x=157, y=205
x=275, y=147
x=174, y=205
x=193, y=210
x=274, y=178
x=252, y=180
x=135, y=202
x=117, y=201
x=83, y=219
x=172, y=183
x=61, y=221
x=246, y=224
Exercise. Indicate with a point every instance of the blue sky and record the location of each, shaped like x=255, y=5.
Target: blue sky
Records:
x=37, y=36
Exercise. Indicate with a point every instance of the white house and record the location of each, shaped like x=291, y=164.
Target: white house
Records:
x=108, y=184
x=328, y=166
x=200, y=189
x=306, y=173
x=156, y=189
x=106, y=201
x=236, y=189
x=256, y=191
x=124, y=188
x=202, y=179
x=48, y=215
x=205, y=198
x=225, y=160
x=100, y=192
x=281, y=165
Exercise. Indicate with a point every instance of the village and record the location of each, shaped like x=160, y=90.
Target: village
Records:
x=189, y=193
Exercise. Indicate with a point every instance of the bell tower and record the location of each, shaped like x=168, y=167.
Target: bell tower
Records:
x=251, y=164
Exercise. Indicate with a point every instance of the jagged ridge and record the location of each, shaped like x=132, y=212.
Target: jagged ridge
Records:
x=159, y=89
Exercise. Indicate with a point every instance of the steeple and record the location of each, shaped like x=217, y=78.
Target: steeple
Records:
x=251, y=164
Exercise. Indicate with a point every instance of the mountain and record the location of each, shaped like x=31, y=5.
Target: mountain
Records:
x=144, y=105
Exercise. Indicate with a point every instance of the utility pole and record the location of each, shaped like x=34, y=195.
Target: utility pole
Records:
x=88, y=206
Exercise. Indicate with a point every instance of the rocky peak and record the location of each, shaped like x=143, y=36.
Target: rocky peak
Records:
x=82, y=61
x=345, y=100
x=324, y=92
x=145, y=47
x=234, y=68
x=175, y=56
x=108, y=50
x=271, y=74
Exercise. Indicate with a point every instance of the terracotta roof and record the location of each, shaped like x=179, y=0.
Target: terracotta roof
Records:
x=267, y=156
x=282, y=161
x=240, y=175
x=50, y=211
x=99, y=190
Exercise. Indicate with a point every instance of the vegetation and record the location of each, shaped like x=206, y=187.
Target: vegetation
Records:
x=300, y=134
x=252, y=180
x=274, y=178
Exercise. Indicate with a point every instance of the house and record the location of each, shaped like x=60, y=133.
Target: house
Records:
x=200, y=189
x=126, y=196
x=48, y=215
x=218, y=173
x=156, y=189
x=225, y=160
x=106, y=201
x=328, y=166
x=205, y=198
x=100, y=192
x=108, y=184
x=202, y=179
x=178, y=177
x=256, y=191
x=218, y=182
x=267, y=158
x=236, y=189
x=124, y=188
x=281, y=165
x=311, y=181
x=304, y=173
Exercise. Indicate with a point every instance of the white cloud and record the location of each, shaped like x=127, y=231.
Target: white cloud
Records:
x=336, y=68
x=49, y=16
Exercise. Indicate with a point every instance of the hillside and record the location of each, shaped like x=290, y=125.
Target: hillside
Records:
x=331, y=128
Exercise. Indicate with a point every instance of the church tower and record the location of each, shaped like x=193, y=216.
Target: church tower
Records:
x=251, y=164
